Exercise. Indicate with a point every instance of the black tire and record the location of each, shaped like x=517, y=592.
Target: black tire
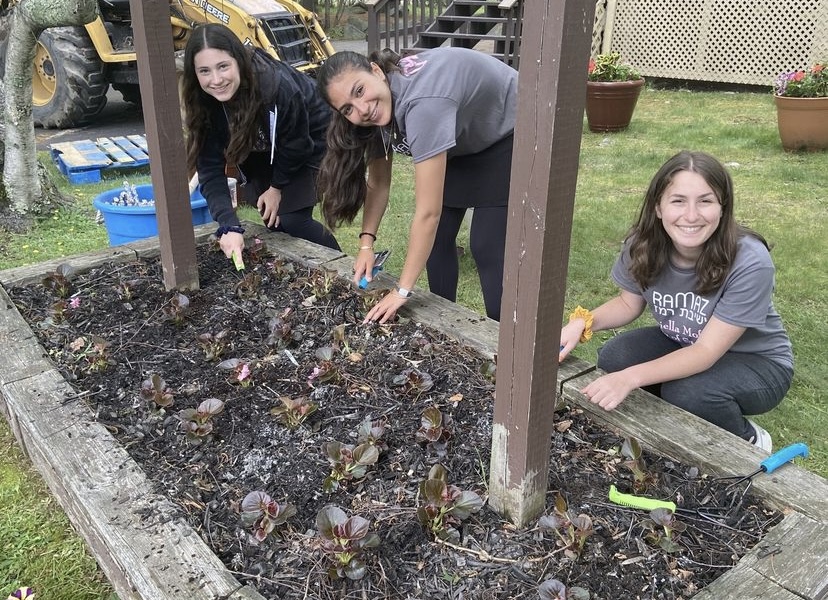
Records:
x=131, y=92
x=69, y=85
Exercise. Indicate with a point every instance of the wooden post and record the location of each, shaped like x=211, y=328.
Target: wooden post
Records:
x=165, y=141
x=554, y=54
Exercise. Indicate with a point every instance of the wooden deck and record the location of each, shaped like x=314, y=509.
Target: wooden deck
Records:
x=148, y=554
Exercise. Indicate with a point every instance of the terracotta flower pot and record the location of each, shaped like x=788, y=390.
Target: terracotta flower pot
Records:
x=803, y=123
x=610, y=104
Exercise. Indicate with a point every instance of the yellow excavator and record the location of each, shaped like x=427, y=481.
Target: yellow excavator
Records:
x=74, y=66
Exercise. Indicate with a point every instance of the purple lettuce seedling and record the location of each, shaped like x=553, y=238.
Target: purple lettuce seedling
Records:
x=176, y=309
x=294, y=411
x=345, y=540
x=241, y=371
x=635, y=462
x=435, y=430
x=58, y=281
x=663, y=529
x=264, y=514
x=413, y=381
x=371, y=432
x=347, y=462
x=248, y=286
x=553, y=589
x=326, y=370
x=93, y=351
x=154, y=388
x=213, y=344
x=572, y=530
x=197, y=422
x=443, y=506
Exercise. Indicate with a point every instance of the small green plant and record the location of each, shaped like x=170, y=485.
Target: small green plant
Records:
x=281, y=269
x=663, y=529
x=256, y=251
x=443, y=506
x=635, y=462
x=345, y=540
x=264, y=514
x=197, y=423
x=489, y=370
x=321, y=282
x=572, y=530
x=155, y=389
x=608, y=67
x=435, y=430
x=241, y=371
x=213, y=344
x=176, y=309
x=804, y=83
x=347, y=462
x=294, y=411
x=553, y=589
x=92, y=351
x=59, y=281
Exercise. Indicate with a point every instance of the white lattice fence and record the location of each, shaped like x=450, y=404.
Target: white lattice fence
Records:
x=734, y=41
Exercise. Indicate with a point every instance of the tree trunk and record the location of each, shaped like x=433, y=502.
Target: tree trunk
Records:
x=22, y=187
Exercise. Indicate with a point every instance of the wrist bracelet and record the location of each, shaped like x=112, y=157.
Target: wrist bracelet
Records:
x=228, y=229
x=403, y=293
x=373, y=236
x=581, y=313
x=366, y=247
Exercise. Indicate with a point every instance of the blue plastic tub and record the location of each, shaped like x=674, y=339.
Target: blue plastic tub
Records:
x=126, y=224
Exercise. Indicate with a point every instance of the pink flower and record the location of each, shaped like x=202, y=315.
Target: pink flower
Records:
x=75, y=302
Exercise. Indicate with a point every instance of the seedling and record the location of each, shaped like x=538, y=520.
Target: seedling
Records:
x=248, y=287
x=443, y=507
x=663, y=529
x=241, y=371
x=197, y=422
x=256, y=251
x=294, y=411
x=553, y=589
x=176, y=309
x=635, y=462
x=94, y=351
x=347, y=463
x=344, y=540
x=413, y=381
x=58, y=281
x=213, y=344
x=281, y=330
x=326, y=370
x=435, y=430
x=370, y=432
x=155, y=389
x=264, y=514
x=572, y=530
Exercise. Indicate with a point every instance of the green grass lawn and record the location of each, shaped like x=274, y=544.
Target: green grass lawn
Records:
x=782, y=195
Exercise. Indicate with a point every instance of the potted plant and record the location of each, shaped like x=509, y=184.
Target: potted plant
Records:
x=129, y=212
x=612, y=93
x=801, y=99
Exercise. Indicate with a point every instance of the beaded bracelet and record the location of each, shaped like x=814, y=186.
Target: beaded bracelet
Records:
x=228, y=229
x=581, y=313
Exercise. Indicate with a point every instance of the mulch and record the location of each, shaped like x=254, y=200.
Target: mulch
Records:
x=117, y=327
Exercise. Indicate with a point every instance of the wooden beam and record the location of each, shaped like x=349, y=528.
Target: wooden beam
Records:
x=551, y=90
x=165, y=141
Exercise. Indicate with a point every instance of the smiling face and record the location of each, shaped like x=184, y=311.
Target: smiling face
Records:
x=362, y=97
x=690, y=213
x=218, y=73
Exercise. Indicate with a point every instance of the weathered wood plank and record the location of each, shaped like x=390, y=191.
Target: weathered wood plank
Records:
x=788, y=564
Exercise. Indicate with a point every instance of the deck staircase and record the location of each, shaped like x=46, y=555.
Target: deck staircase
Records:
x=407, y=26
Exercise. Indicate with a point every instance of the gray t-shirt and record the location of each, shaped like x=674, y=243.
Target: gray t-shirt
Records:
x=452, y=100
x=743, y=300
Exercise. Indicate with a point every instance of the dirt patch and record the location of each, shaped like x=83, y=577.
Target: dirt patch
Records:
x=286, y=331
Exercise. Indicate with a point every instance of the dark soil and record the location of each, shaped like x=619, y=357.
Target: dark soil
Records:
x=383, y=373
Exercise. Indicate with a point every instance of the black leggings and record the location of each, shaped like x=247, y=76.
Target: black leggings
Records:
x=488, y=244
x=301, y=224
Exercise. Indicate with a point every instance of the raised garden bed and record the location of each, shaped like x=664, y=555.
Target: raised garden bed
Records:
x=148, y=551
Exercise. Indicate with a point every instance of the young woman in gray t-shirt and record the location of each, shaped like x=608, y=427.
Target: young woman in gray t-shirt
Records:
x=719, y=349
x=453, y=111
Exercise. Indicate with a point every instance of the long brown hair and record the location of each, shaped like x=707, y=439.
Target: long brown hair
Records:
x=243, y=108
x=650, y=245
x=341, y=180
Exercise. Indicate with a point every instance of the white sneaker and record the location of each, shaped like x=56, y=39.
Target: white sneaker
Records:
x=761, y=439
